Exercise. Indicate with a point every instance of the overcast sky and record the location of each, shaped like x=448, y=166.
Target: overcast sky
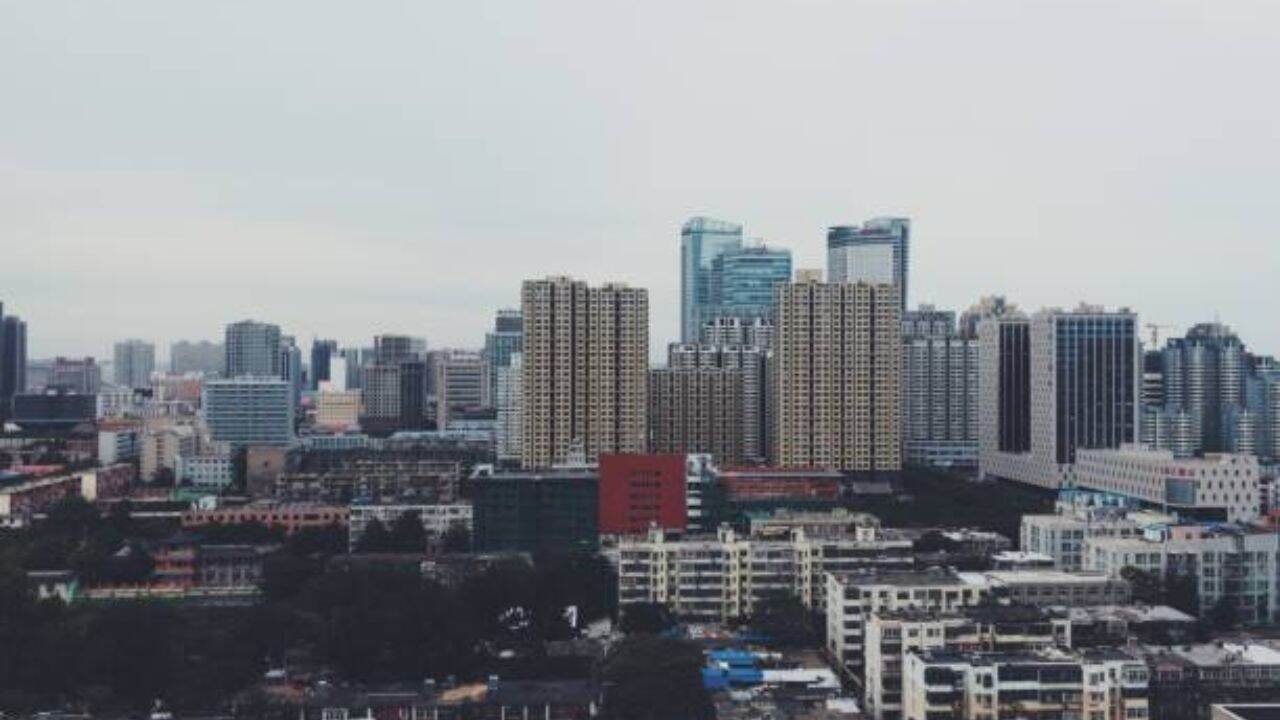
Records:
x=345, y=169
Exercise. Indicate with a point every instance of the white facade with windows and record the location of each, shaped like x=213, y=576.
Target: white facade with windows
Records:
x=1222, y=483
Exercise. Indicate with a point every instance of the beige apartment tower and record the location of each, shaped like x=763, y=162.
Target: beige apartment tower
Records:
x=585, y=367
x=836, y=376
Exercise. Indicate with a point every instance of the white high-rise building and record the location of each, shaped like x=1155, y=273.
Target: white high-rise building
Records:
x=510, y=402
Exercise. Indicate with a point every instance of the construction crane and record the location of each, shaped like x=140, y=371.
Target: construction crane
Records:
x=1155, y=333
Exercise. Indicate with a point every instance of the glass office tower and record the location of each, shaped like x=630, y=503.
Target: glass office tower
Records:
x=742, y=281
x=875, y=252
x=702, y=240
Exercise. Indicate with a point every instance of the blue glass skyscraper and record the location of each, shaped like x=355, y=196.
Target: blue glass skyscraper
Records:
x=702, y=240
x=742, y=281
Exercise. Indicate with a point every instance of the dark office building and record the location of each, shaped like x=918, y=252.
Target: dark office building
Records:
x=321, y=353
x=537, y=511
x=53, y=409
x=413, y=394
x=1015, y=386
x=13, y=361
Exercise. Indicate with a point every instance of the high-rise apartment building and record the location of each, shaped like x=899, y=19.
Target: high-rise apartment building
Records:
x=253, y=348
x=13, y=361
x=742, y=281
x=702, y=240
x=204, y=357
x=836, y=376
x=1204, y=376
x=586, y=361
x=249, y=410
x=322, y=355
x=697, y=411
x=135, y=360
x=510, y=404
x=506, y=339
x=939, y=391
x=877, y=252
x=1054, y=383
x=752, y=332
x=752, y=362
x=737, y=343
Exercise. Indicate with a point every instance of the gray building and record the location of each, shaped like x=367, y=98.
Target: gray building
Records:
x=505, y=340
x=939, y=391
x=876, y=252
x=752, y=363
x=702, y=240
x=204, y=357
x=253, y=348
x=248, y=410
x=1204, y=376
x=291, y=369
x=322, y=354
x=1054, y=383
x=135, y=360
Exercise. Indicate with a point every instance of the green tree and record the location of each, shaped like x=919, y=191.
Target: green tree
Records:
x=374, y=539
x=457, y=539
x=1147, y=587
x=407, y=534
x=783, y=619
x=652, y=678
x=646, y=619
x=1224, y=615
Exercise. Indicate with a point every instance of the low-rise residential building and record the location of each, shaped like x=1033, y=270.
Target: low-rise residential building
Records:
x=118, y=444
x=1187, y=680
x=1061, y=535
x=1057, y=587
x=372, y=480
x=722, y=576
x=210, y=471
x=1231, y=564
x=291, y=517
x=1218, y=486
x=1050, y=683
x=893, y=634
x=436, y=519
x=161, y=448
x=852, y=598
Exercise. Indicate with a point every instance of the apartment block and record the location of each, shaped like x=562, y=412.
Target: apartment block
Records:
x=1049, y=683
x=697, y=411
x=723, y=576
x=836, y=376
x=892, y=636
x=1237, y=566
x=585, y=364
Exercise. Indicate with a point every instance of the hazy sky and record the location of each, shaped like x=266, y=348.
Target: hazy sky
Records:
x=350, y=168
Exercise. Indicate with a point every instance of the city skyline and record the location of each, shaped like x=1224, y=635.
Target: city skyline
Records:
x=357, y=184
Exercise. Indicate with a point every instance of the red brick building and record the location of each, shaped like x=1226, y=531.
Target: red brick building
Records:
x=768, y=484
x=640, y=490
